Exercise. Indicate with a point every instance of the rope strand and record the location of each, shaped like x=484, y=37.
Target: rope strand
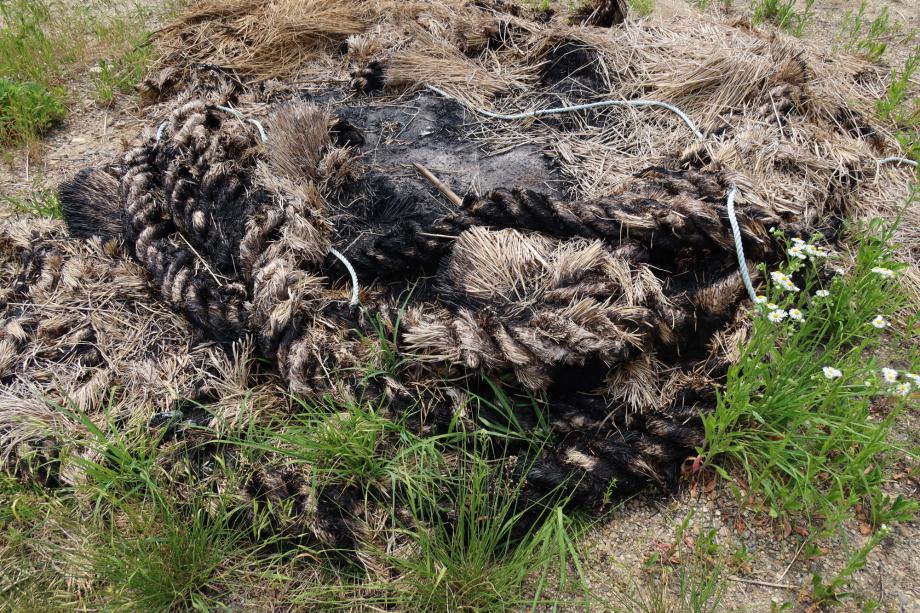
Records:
x=351, y=271
x=739, y=248
x=578, y=107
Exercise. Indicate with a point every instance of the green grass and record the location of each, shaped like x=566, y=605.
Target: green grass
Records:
x=42, y=202
x=136, y=535
x=31, y=63
x=47, y=44
x=804, y=443
x=29, y=109
x=783, y=14
x=689, y=579
x=641, y=8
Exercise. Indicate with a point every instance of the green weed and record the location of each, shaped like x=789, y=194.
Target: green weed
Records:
x=833, y=590
x=898, y=106
x=167, y=560
x=119, y=75
x=642, y=8
x=806, y=411
x=27, y=110
x=866, y=38
x=783, y=14
x=44, y=44
x=41, y=202
x=690, y=580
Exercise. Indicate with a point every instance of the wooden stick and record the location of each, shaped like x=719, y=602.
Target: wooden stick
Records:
x=785, y=586
x=794, y=558
x=438, y=184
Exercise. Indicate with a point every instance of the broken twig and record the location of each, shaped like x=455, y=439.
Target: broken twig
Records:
x=438, y=184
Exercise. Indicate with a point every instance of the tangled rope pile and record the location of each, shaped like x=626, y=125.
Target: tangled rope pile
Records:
x=621, y=311
x=296, y=238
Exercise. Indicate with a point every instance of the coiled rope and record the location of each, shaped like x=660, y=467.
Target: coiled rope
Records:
x=351, y=270
x=730, y=200
x=162, y=127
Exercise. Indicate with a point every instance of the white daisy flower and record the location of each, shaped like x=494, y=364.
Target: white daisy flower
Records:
x=760, y=299
x=832, y=373
x=913, y=377
x=822, y=293
x=902, y=389
x=796, y=314
x=885, y=272
x=776, y=316
x=879, y=322
x=798, y=241
x=797, y=251
x=779, y=277
x=890, y=375
x=789, y=286
x=772, y=306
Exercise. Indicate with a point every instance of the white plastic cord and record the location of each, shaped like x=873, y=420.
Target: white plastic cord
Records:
x=897, y=160
x=739, y=248
x=351, y=271
x=239, y=115
x=579, y=107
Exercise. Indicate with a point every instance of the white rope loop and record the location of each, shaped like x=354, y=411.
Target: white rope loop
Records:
x=351, y=271
x=896, y=159
x=242, y=117
x=639, y=102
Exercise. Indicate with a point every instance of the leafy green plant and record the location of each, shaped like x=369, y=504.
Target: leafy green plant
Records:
x=832, y=591
x=783, y=14
x=41, y=202
x=798, y=414
x=866, y=38
x=27, y=110
x=44, y=43
x=897, y=105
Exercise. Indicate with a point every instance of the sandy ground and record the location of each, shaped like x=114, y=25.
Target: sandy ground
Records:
x=768, y=565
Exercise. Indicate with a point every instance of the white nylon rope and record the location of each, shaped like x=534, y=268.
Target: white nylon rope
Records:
x=580, y=107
